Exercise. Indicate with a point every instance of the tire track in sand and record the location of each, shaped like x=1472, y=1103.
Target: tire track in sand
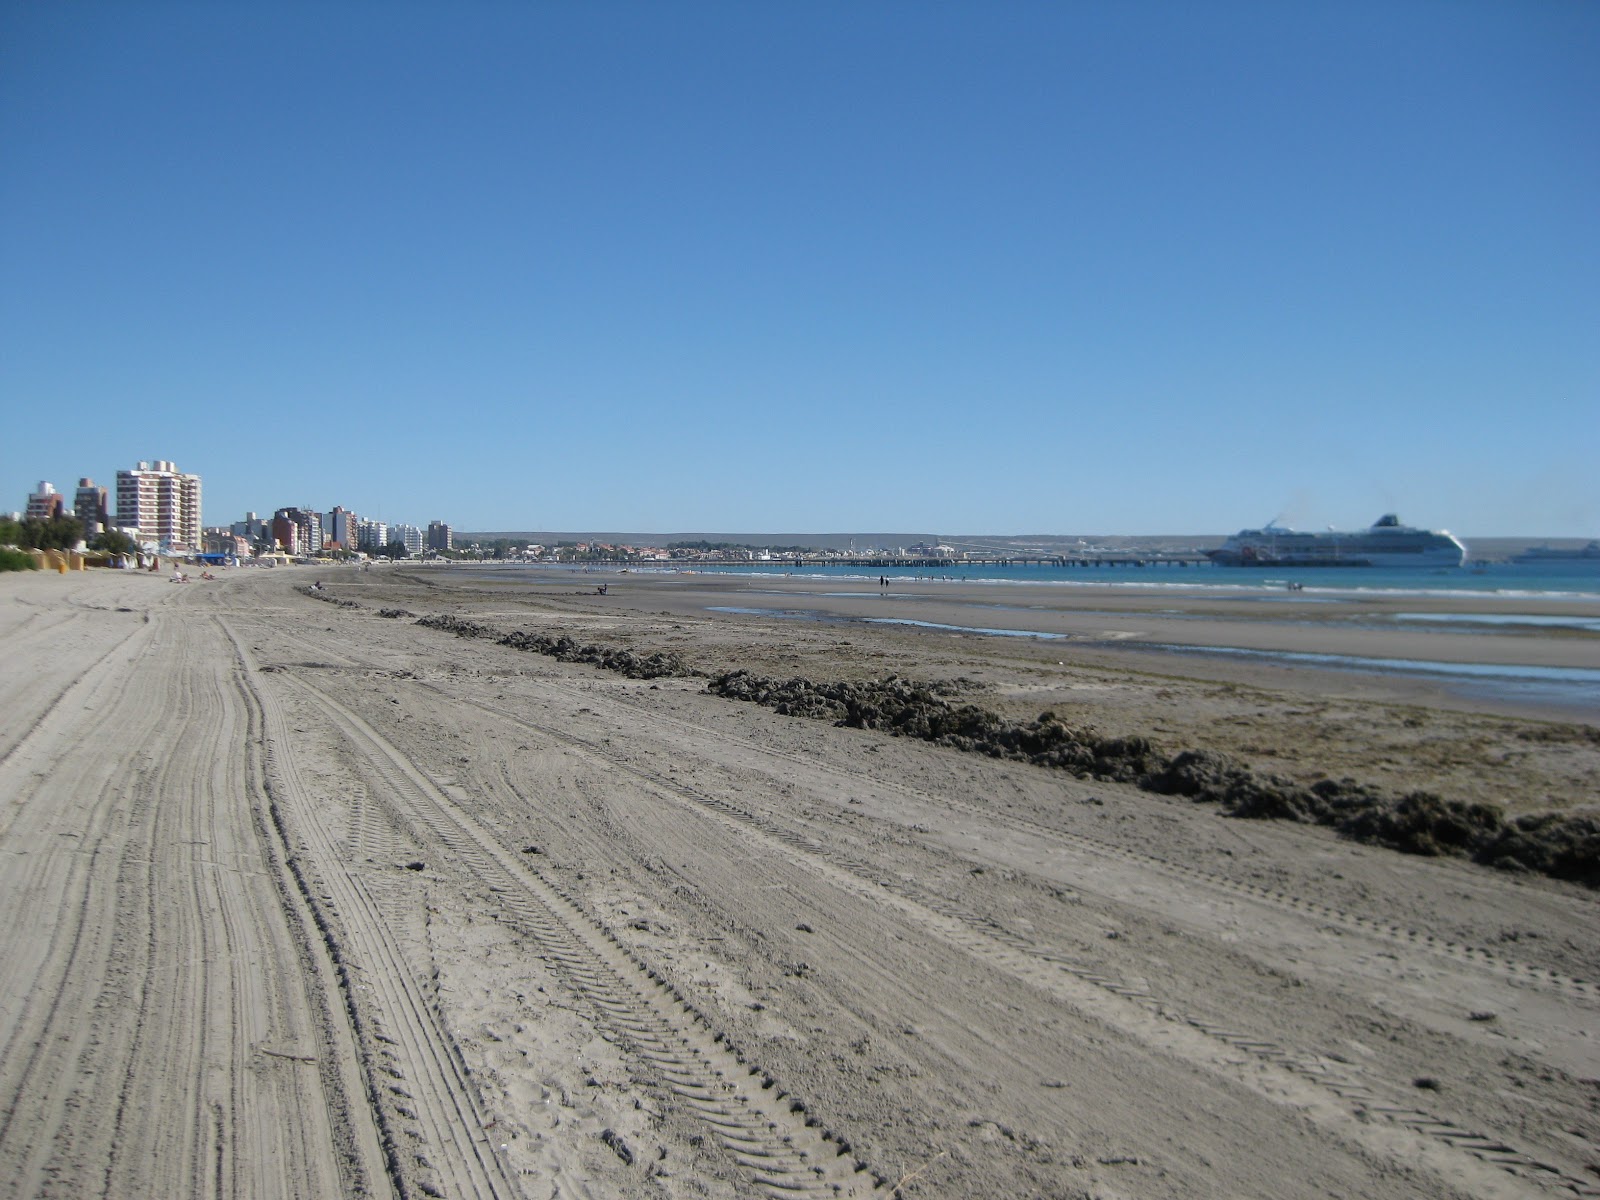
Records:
x=157, y=964
x=1041, y=966
x=765, y=1130
x=1480, y=957
x=421, y=1098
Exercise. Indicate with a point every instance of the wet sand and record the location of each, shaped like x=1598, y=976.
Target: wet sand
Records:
x=1110, y=626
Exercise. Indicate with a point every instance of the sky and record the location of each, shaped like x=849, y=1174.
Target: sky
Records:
x=1129, y=266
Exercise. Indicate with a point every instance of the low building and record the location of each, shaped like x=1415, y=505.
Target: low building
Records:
x=253, y=528
x=222, y=540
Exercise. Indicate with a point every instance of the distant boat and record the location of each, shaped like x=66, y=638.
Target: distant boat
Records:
x=1387, y=544
x=1558, y=554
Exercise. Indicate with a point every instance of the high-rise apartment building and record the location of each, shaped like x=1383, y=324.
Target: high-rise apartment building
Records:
x=311, y=526
x=286, y=531
x=409, y=536
x=157, y=503
x=46, y=503
x=341, y=526
x=372, y=536
x=297, y=530
x=439, y=537
x=91, y=505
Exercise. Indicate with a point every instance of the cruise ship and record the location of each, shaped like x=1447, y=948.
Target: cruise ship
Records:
x=1387, y=544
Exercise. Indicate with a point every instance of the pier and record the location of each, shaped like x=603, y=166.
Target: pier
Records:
x=924, y=563
x=1088, y=561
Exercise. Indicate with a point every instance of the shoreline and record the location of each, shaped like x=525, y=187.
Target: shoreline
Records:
x=1402, y=732
x=1352, y=583
x=1231, y=636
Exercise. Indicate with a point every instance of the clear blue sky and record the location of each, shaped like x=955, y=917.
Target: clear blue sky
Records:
x=1119, y=267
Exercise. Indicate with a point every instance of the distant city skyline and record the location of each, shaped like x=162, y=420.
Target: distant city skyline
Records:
x=164, y=505
x=1126, y=269
x=263, y=515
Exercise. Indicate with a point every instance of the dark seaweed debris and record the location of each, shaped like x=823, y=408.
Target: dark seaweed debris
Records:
x=317, y=593
x=568, y=649
x=906, y=708
x=1562, y=845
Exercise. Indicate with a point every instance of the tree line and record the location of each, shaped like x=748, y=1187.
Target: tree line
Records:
x=52, y=533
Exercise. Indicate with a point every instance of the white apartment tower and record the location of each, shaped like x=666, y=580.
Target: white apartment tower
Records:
x=372, y=536
x=156, y=503
x=412, y=538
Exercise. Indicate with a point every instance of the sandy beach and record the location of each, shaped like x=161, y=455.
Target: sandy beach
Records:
x=306, y=899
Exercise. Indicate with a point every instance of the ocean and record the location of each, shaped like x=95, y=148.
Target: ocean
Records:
x=1509, y=591
x=1577, y=581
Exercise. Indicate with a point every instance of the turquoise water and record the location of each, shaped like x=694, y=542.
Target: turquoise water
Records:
x=1577, y=580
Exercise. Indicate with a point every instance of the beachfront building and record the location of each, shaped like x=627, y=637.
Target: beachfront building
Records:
x=285, y=531
x=158, y=503
x=439, y=536
x=312, y=525
x=252, y=528
x=340, y=526
x=222, y=540
x=409, y=536
x=372, y=536
x=297, y=530
x=92, y=506
x=45, y=504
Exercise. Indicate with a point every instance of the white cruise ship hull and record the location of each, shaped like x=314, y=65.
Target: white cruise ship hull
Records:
x=1387, y=544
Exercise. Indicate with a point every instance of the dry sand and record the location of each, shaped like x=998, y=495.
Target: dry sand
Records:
x=304, y=901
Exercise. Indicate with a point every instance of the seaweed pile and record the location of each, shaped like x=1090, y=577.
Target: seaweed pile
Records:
x=905, y=708
x=1562, y=845
x=323, y=594
x=1565, y=846
x=567, y=649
